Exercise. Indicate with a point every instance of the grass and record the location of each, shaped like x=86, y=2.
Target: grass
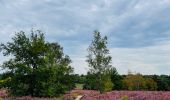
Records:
x=59, y=98
x=79, y=86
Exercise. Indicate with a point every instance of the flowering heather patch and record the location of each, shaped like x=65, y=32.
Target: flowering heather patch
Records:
x=118, y=95
x=95, y=95
x=130, y=95
x=30, y=98
x=3, y=94
x=86, y=92
x=74, y=93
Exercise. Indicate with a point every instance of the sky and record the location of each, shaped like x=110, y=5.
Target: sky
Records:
x=138, y=31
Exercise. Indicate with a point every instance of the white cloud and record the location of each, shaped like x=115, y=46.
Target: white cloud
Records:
x=79, y=65
x=130, y=26
x=146, y=60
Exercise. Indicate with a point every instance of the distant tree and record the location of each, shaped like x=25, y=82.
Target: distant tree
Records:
x=80, y=79
x=37, y=68
x=134, y=82
x=91, y=82
x=163, y=82
x=116, y=79
x=98, y=58
x=150, y=84
x=107, y=81
x=139, y=82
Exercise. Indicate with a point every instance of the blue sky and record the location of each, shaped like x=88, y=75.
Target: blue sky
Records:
x=138, y=30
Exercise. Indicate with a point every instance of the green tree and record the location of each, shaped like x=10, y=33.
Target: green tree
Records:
x=150, y=84
x=37, y=67
x=163, y=82
x=107, y=82
x=134, y=82
x=116, y=79
x=139, y=82
x=91, y=82
x=98, y=58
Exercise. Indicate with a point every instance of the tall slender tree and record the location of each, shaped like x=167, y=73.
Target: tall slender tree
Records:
x=98, y=58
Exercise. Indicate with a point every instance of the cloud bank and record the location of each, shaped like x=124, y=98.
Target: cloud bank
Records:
x=138, y=30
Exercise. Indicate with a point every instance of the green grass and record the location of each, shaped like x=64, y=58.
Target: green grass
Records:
x=59, y=98
x=79, y=86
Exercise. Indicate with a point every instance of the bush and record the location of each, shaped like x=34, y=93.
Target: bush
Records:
x=108, y=85
x=124, y=97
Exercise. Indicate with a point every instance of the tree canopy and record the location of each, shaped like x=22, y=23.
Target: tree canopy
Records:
x=99, y=62
x=37, y=67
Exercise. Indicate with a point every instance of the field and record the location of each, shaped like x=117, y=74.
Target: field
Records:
x=118, y=95
x=95, y=95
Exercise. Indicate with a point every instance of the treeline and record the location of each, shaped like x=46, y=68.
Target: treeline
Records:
x=128, y=82
x=104, y=77
x=40, y=68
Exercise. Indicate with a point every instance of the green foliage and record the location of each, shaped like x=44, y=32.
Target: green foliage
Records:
x=40, y=68
x=131, y=82
x=79, y=86
x=37, y=67
x=163, y=82
x=99, y=62
x=79, y=79
x=134, y=82
x=98, y=58
x=3, y=82
x=138, y=82
x=116, y=79
x=124, y=97
x=91, y=82
x=108, y=85
x=150, y=84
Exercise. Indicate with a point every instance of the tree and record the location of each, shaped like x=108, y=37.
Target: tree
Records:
x=150, y=84
x=98, y=58
x=116, y=79
x=106, y=81
x=134, y=82
x=91, y=82
x=139, y=82
x=163, y=82
x=37, y=67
